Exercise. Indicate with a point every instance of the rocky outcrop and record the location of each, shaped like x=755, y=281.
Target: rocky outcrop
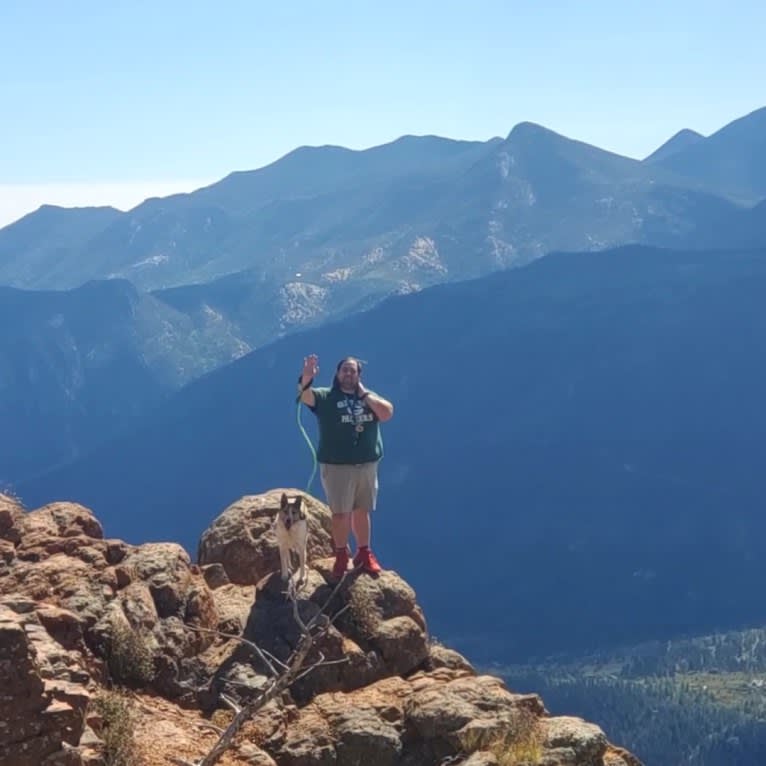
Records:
x=240, y=546
x=43, y=700
x=79, y=612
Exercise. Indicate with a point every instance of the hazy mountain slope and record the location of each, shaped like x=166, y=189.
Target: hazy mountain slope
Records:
x=32, y=246
x=77, y=366
x=681, y=140
x=731, y=160
x=405, y=215
x=575, y=451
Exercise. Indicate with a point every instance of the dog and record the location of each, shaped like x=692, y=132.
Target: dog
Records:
x=292, y=530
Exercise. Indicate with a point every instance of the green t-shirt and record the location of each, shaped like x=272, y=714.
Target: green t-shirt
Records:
x=349, y=431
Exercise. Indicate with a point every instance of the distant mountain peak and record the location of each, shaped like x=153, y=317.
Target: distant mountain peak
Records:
x=732, y=160
x=408, y=141
x=526, y=130
x=540, y=145
x=48, y=212
x=681, y=140
x=533, y=137
x=310, y=149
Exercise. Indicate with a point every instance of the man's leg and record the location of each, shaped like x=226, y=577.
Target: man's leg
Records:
x=341, y=528
x=364, y=502
x=337, y=490
x=360, y=522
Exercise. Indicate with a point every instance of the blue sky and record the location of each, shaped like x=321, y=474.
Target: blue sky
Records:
x=108, y=99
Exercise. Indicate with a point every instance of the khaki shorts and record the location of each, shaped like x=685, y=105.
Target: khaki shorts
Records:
x=350, y=487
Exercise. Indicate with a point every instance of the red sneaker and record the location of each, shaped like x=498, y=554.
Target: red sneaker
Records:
x=341, y=563
x=365, y=560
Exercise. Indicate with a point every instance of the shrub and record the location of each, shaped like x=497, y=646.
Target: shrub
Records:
x=117, y=728
x=520, y=744
x=129, y=659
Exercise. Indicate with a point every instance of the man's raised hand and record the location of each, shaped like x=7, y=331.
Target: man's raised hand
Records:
x=310, y=368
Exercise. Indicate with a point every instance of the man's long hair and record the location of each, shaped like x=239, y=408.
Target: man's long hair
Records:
x=340, y=364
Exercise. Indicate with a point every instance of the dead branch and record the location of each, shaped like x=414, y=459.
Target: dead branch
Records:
x=293, y=670
x=265, y=657
x=230, y=703
x=275, y=660
x=322, y=664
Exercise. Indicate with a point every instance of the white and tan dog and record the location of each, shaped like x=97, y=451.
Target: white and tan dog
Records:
x=292, y=530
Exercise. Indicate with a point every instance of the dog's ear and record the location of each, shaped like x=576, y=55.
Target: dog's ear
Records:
x=299, y=502
x=283, y=501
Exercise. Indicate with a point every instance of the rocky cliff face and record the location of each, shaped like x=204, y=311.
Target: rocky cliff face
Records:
x=120, y=654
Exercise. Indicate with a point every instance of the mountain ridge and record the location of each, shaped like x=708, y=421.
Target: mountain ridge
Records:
x=607, y=406
x=733, y=156
x=676, y=143
x=340, y=207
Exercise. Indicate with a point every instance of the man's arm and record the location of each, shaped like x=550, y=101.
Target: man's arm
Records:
x=307, y=397
x=380, y=406
x=310, y=369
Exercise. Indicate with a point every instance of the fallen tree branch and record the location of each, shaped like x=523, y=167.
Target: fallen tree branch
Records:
x=322, y=664
x=265, y=657
x=312, y=631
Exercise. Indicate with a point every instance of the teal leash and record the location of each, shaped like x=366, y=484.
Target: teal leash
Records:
x=306, y=436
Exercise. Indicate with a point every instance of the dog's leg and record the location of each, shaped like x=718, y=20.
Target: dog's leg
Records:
x=302, y=559
x=284, y=554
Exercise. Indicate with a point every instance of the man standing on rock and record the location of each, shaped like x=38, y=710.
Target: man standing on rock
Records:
x=350, y=447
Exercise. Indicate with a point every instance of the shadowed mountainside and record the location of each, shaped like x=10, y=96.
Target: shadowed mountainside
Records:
x=574, y=452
